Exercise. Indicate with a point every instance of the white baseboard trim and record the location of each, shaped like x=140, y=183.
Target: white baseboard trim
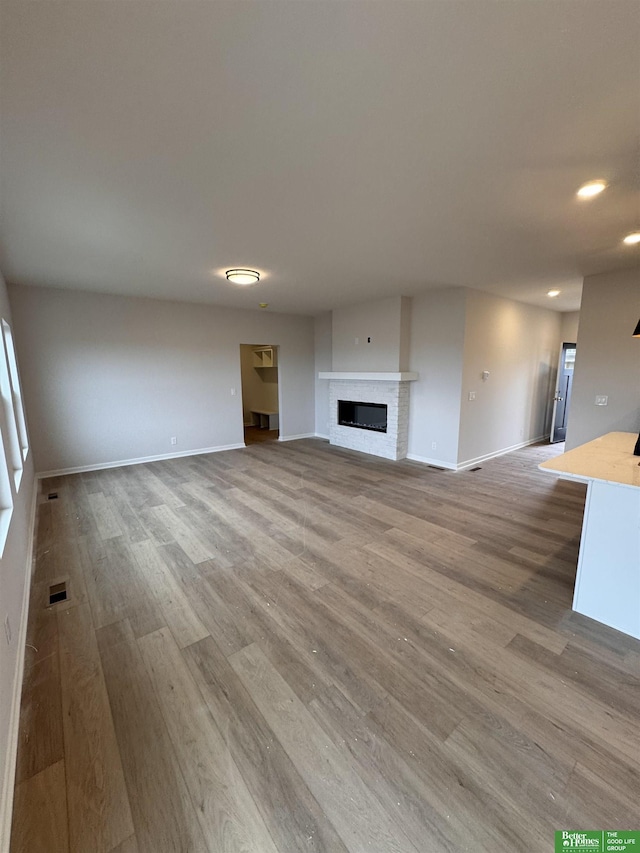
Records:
x=320, y=435
x=437, y=462
x=296, y=437
x=8, y=778
x=462, y=466
x=140, y=461
x=469, y=462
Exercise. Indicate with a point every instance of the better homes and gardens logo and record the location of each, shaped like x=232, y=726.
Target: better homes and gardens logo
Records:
x=598, y=841
x=573, y=840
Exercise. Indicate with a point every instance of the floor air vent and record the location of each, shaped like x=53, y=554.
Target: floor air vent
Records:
x=52, y=496
x=477, y=468
x=57, y=593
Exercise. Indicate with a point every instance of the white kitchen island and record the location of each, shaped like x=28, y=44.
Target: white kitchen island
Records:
x=608, y=580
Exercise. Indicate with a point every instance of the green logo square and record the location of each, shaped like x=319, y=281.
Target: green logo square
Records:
x=598, y=841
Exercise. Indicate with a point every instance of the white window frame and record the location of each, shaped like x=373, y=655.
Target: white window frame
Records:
x=16, y=391
x=12, y=451
x=6, y=497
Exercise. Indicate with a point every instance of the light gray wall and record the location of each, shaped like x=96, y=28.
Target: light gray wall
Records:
x=259, y=385
x=323, y=351
x=437, y=344
x=406, y=307
x=607, y=358
x=14, y=573
x=518, y=344
x=110, y=378
x=382, y=321
x=454, y=334
x=569, y=326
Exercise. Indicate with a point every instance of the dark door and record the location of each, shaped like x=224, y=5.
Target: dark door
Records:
x=562, y=396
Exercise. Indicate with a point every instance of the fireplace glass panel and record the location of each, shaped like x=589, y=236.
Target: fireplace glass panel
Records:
x=371, y=416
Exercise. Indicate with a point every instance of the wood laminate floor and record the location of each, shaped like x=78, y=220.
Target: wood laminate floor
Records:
x=255, y=435
x=295, y=648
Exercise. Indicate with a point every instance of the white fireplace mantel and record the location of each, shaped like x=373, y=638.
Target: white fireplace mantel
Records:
x=373, y=377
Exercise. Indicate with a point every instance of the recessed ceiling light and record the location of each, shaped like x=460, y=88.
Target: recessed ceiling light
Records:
x=553, y=293
x=591, y=189
x=241, y=276
x=632, y=239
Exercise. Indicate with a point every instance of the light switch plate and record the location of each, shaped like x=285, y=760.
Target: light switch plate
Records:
x=472, y=395
x=601, y=400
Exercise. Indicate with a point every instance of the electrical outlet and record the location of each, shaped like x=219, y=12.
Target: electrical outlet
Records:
x=433, y=445
x=602, y=400
x=472, y=395
x=173, y=439
x=233, y=392
x=7, y=629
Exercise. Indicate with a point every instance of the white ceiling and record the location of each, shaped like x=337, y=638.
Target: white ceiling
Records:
x=348, y=150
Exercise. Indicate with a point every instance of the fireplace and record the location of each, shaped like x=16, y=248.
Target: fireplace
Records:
x=371, y=416
x=381, y=423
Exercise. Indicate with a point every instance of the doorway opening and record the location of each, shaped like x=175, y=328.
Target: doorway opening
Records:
x=562, y=397
x=260, y=406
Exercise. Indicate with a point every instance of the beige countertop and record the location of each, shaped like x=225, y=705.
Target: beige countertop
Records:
x=609, y=459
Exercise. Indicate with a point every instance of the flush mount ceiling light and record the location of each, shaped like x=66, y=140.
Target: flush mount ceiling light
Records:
x=632, y=239
x=243, y=277
x=591, y=189
x=553, y=293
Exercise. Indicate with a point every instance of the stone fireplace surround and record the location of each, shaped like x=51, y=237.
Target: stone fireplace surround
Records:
x=391, y=389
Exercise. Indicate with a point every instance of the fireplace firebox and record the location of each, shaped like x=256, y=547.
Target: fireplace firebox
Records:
x=371, y=416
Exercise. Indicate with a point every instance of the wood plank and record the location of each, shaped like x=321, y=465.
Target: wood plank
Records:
x=188, y=539
x=473, y=816
x=163, y=814
x=272, y=779
x=227, y=813
x=40, y=738
x=130, y=845
x=40, y=813
x=157, y=481
x=215, y=616
x=360, y=818
x=516, y=773
x=99, y=814
x=390, y=777
x=174, y=604
x=327, y=653
x=116, y=588
x=590, y=797
x=106, y=519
